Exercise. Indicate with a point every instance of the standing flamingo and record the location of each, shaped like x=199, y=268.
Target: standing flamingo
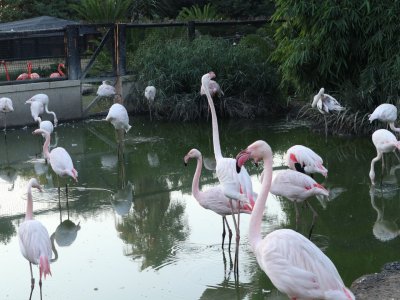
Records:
x=150, y=94
x=3, y=62
x=106, y=90
x=294, y=264
x=232, y=183
x=326, y=104
x=34, y=240
x=384, y=142
x=213, y=198
x=60, y=160
x=37, y=110
x=59, y=72
x=297, y=187
x=386, y=113
x=118, y=117
x=6, y=106
x=305, y=160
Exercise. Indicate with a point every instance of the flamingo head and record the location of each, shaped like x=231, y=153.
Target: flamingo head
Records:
x=194, y=153
x=256, y=151
x=44, y=266
x=40, y=131
x=211, y=74
x=33, y=183
x=73, y=173
x=318, y=97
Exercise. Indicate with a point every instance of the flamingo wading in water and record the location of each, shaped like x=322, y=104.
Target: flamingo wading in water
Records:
x=40, y=103
x=295, y=265
x=150, y=94
x=326, y=104
x=386, y=113
x=213, y=198
x=118, y=117
x=34, y=240
x=6, y=106
x=384, y=142
x=232, y=183
x=305, y=160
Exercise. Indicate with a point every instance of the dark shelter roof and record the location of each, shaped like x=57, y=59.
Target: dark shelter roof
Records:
x=38, y=23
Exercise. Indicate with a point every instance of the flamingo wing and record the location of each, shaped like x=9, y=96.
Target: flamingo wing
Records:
x=331, y=104
x=385, y=112
x=299, y=268
x=61, y=162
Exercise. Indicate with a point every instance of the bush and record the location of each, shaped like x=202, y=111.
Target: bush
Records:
x=175, y=68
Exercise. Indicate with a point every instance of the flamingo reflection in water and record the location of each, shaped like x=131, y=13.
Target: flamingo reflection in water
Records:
x=295, y=265
x=34, y=240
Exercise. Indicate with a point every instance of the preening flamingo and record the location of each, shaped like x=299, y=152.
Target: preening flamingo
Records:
x=118, y=117
x=37, y=110
x=386, y=113
x=150, y=94
x=34, y=240
x=29, y=75
x=214, y=88
x=106, y=90
x=297, y=187
x=6, y=106
x=3, y=62
x=384, y=142
x=326, y=104
x=235, y=186
x=305, y=160
x=59, y=72
x=294, y=264
x=213, y=198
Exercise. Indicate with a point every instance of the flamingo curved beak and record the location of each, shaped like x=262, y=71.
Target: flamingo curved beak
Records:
x=241, y=159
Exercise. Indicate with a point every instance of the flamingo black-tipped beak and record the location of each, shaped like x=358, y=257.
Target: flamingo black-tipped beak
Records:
x=185, y=163
x=241, y=158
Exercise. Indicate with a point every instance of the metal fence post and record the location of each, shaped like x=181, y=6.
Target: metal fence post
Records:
x=72, y=52
x=191, y=30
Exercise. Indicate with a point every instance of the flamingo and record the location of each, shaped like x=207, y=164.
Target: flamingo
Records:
x=5, y=69
x=34, y=240
x=213, y=198
x=118, y=117
x=59, y=72
x=37, y=110
x=386, y=113
x=60, y=160
x=326, y=104
x=297, y=187
x=384, y=142
x=232, y=183
x=305, y=160
x=214, y=88
x=29, y=75
x=295, y=265
x=6, y=106
x=105, y=90
x=150, y=94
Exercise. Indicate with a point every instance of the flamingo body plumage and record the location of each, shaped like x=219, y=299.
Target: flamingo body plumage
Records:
x=106, y=90
x=294, y=264
x=118, y=117
x=214, y=88
x=303, y=159
x=386, y=113
x=150, y=93
x=59, y=72
x=326, y=103
x=6, y=105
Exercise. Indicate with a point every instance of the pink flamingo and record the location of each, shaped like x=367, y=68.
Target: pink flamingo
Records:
x=59, y=159
x=384, y=142
x=213, y=198
x=29, y=75
x=5, y=69
x=34, y=240
x=214, y=88
x=297, y=187
x=305, y=160
x=232, y=183
x=386, y=113
x=59, y=72
x=294, y=264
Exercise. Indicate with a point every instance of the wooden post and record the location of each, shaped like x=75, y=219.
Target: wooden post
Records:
x=72, y=52
x=191, y=30
x=119, y=60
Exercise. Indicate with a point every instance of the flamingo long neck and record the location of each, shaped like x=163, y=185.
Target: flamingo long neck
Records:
x=391, y=125
x=258, y=210
x=196, y=178
x=59, y=70
x=51, y=113
x=29, y=69
x=216, y=143
x=29, y=205
x=6, y=70
x=46, y=144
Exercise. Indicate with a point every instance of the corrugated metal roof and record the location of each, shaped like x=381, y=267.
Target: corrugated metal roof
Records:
x=38, y=23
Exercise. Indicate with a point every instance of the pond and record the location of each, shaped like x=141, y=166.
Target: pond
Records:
x=132, y=230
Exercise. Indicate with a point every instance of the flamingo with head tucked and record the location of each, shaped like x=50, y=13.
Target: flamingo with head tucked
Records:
x=6, y=106
x=106, y=90
x=150, y=94
x=213, y=198
x=295, y=265
x=235, y=186
x=118, y=117
x=305, y=160
x=34, y=240
x=59, y=72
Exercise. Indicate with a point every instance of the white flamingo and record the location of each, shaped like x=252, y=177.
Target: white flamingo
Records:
x=293, y=263
x=213, y=198
x=118, y=117
x=150, y=94
x=34, y=240
x=305, y=160
x=37, y=110
x=106, y=90
x=6, y=106
x=232, y=183
x=386, y=113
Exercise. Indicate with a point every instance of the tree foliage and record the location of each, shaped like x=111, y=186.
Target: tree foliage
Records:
x=346, y=46
x=103, y=11
x=195, y=13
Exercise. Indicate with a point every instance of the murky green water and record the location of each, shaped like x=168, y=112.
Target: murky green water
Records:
x=133, y=230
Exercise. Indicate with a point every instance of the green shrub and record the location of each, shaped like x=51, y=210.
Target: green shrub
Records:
x=175, y=68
